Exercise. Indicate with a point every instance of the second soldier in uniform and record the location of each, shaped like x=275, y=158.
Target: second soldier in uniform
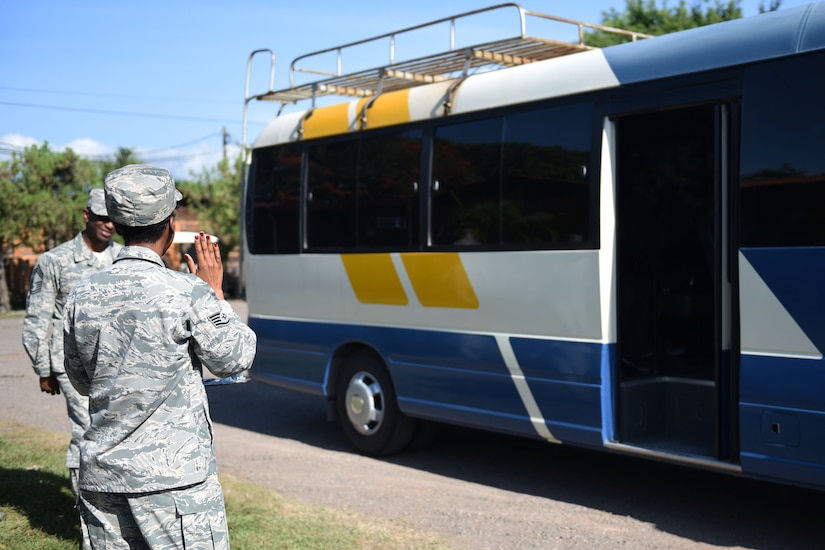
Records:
x=55, y=274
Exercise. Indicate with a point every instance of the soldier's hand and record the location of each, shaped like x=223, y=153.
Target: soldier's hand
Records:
x=48, y=384
x=209, y=266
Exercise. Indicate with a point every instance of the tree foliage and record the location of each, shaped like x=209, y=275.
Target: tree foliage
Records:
x=645, y=16
x=42, y=195
x=122, y=157
x=215, y=194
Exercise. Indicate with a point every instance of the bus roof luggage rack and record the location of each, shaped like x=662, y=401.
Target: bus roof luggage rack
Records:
x=455, y=62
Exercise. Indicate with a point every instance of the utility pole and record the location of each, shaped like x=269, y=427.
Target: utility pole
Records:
x=225, y=141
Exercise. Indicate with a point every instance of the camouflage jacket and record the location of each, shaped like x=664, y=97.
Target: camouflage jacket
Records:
x=135, y=334
x=55, y=275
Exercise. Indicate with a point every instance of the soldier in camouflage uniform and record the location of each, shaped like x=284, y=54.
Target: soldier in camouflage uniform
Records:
x=135, y=337
x=55, y=274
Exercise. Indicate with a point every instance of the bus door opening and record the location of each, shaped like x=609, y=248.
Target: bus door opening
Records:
x=668, y=280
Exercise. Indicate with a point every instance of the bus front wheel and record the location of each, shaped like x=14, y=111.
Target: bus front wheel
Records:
x=368, y=409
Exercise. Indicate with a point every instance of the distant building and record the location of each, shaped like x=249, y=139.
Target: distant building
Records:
x=19, y=262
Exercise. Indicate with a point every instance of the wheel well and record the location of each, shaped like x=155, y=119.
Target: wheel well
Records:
x=340, y=358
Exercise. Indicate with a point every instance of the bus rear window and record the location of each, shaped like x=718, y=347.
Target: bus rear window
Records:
x=273, y=200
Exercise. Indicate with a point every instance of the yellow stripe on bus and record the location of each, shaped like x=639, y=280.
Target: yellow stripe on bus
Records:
x=388, y=109
x=374, y=279
x=439, y=280
x=327, y=121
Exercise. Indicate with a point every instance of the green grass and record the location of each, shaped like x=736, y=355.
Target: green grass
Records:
x=35, y=496
x=37, y=507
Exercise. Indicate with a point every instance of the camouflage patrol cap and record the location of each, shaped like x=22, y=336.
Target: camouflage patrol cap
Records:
x=138, y=195
x=97, y=203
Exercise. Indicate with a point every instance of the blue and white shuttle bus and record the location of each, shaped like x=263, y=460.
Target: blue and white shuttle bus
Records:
x=619, y=248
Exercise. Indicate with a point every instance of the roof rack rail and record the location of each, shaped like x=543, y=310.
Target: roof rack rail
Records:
x=517, y=49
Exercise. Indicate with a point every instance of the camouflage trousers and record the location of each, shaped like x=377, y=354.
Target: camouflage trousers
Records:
x=191, y=517
x=78, y=408
x=74, y=476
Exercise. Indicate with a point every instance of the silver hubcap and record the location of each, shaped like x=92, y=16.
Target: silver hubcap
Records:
x=365, y=403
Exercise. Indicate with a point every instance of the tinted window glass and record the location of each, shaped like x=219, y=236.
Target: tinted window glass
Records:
x=545, y=187
x=466, y=176
x=387, y=200
x=363, y=193
x=783, y=166
x=331, y=186
x=273, y=200
x=517, y=180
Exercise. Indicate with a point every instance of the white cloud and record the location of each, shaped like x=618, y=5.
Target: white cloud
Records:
x=87, y=147
x=199, y=158
x=181, y=162
x=84, y=147
x=18, y=140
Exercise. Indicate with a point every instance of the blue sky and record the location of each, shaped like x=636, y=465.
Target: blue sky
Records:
x=165, y=78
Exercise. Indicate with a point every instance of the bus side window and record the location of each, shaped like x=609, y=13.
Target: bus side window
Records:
x=273, y=200
x=331, y=184
x=518, y=181
x=466, y=167
x=545, y=189
x=388, y=169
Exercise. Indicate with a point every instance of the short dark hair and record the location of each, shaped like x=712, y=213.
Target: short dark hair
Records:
x=148, y=234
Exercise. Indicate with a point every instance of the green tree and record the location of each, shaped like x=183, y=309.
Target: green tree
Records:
x=645, y=16
x=215, y=194
x=42, y=195
x=122, y=157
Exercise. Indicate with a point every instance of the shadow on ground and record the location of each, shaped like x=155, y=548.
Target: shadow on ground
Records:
x=702, y=506
x=44, y=498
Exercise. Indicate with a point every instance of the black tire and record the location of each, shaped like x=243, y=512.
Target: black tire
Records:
x=367, y=407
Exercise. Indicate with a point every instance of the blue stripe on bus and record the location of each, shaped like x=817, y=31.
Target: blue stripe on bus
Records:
x=782, y=418
x=453, y=377
x=705, y=48
x=795, y=276
x=557, y=359
x=782, y=403
x=783, y=382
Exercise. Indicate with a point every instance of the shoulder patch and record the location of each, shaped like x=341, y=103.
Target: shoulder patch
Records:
x=219, y=319
x=37, y=281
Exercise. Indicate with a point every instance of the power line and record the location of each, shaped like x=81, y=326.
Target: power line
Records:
x=154, y=154
x=160, y=159
x=116, y=96
x=182, y=145
x=19, y=148
x=117, y=113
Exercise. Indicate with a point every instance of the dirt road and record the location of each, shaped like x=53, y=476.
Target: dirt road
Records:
x=476, y=490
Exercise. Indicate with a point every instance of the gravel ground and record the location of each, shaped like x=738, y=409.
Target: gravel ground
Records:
x=474, y=490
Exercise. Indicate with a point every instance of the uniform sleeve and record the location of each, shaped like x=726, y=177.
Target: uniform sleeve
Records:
x=40, y=304
x=71, y=358
x=223, y=342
